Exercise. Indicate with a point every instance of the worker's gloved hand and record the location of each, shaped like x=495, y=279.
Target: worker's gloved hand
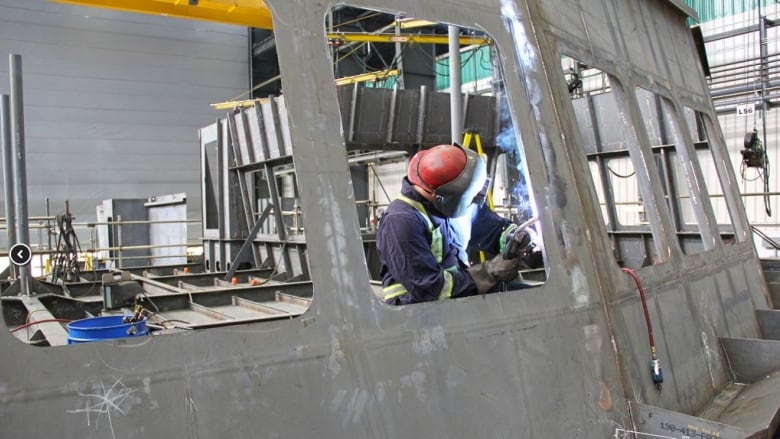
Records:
x=533, y=259
x=490, y=272
x=518, y=240
x=520, y=243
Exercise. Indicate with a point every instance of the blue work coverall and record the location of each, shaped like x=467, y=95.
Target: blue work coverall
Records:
x=411, y=272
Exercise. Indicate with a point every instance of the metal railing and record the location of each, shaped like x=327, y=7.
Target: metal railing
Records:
x=109, y=256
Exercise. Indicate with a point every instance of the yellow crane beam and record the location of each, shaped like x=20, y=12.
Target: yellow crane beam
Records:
x=255, y=13
x=232, y=105
x=412, y=23
x=247, y=13
x=403, y=38
x=347, y=80
x=371, y=76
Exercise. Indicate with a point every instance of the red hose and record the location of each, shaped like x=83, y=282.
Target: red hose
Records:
x=27, y=325
x=641, y=289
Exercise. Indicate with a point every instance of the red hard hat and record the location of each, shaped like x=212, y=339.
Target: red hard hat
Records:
x=431, y=168
x=454, y=175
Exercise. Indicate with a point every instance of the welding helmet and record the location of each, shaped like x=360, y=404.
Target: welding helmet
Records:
x=454, y=175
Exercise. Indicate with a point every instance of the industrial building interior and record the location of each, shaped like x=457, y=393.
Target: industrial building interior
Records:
x=158, y=181
x=394, y=100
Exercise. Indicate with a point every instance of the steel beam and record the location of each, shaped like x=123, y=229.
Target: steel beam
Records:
x=404, y=38
x=456, y=122
x=20, y=167
x=55, y=334
x=8, y=168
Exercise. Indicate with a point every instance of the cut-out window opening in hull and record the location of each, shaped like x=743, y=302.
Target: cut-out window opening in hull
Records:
x=390, y=112
x=609, y=144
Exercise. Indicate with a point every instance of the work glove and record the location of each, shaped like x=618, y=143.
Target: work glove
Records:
x=518, y=240
x=488, y=273
x=533, y=259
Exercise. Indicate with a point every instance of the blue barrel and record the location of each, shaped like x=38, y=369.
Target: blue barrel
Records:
x=104, y=328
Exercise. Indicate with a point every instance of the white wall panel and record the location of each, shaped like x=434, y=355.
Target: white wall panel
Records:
x=113, y=100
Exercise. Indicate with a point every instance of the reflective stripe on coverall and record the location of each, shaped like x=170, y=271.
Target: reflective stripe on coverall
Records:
x=397, y=289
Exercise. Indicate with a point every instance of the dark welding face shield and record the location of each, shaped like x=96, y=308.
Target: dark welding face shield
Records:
x=453, y=198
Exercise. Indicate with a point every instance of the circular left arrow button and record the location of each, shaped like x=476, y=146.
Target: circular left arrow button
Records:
x=20, y=254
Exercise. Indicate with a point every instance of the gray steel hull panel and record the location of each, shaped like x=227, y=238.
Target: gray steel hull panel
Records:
x=561, y=360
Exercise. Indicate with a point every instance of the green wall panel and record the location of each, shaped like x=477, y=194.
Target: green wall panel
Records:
x=714, y=9
x=475, y=65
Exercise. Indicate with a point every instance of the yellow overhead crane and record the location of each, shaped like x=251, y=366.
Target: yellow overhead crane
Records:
x=248, y=13
x=255, y=13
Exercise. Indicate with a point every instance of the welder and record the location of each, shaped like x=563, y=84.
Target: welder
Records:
x=422, y=244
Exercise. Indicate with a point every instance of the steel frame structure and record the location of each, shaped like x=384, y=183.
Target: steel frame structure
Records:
x=567, y=359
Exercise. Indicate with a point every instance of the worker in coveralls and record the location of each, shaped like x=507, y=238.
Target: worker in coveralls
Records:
x=420, y=240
